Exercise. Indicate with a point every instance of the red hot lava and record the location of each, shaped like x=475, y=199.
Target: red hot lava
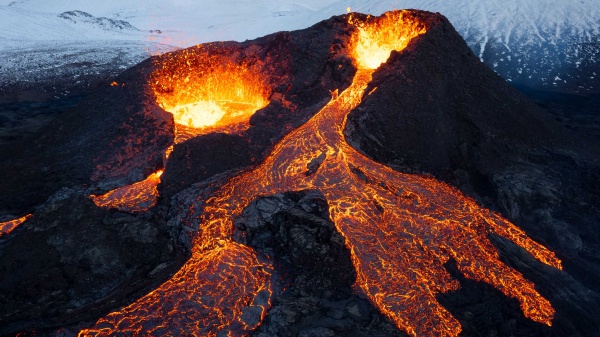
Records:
x=221, y=97
x=8, y=226
x=400, y=228
x=138, y=197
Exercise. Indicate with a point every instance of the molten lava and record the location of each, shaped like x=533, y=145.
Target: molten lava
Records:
x=400, y=228
x=8, y=226
x=374, y=40
x=138, y=197
x=207, y=93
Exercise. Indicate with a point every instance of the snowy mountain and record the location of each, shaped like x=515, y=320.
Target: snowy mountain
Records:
x=543, y=44
x=102, y=22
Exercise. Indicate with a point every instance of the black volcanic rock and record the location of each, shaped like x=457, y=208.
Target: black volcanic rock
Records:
x=314, y=268
x=295, y=230
x=74, y=261
x=202, y=157
x=114, y=138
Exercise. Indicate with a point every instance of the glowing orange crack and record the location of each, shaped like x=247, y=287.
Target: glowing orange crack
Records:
x=137, y=197
x=8, y=226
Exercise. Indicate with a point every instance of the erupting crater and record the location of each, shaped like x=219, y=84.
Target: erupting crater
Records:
x=373, y=41
x=208, y=93
x=400, y=228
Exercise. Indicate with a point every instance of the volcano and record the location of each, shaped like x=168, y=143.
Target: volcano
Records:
x=365, y=176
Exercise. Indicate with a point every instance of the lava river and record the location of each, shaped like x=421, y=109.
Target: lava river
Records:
x=400, y=229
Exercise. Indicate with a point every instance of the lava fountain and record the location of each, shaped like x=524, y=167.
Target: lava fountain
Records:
x=400, y=228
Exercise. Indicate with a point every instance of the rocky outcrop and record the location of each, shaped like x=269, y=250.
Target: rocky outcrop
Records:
x=73, y=261
x=315, y=296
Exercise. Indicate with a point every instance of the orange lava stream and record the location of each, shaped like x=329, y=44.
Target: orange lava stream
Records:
x=137, y=197
x=211, y=293
x=400, y=228
x=207, y=93
x=8, y=226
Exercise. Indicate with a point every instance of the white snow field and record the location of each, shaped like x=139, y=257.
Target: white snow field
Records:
x=549, y=44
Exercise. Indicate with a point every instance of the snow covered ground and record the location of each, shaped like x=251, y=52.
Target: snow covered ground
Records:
x=181, y=22
x=548, y=44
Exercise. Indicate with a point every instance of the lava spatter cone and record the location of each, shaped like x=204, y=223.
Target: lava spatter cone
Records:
x=399, y=242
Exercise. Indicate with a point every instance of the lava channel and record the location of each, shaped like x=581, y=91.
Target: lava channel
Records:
x=8, y=226
x=134, y=198
x=400, y=228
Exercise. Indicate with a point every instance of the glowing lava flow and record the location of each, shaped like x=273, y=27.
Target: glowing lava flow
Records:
x=8, y=226
x=134, y=198
x=137, y=197
x=400, y=229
